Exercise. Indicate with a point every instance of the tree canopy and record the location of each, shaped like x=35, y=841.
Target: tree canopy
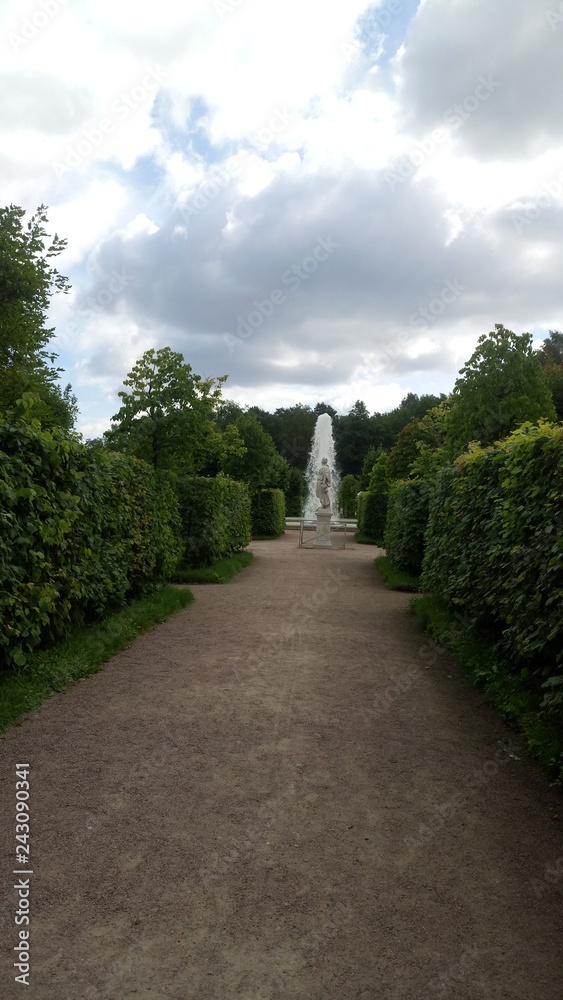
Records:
x=501, y=386
x=27, y=282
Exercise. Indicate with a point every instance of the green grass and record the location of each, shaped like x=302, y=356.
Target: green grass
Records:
x=365, y=539
x=219, y=572
x=508, y=692
x=396, y=579
x=83, y=653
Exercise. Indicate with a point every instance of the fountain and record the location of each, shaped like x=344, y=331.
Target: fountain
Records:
x=322, y=480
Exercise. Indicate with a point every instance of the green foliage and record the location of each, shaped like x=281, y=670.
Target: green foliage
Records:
x=407, y=518
x=215, y=517
x=371, y=506
x=368, y=463
x=260, y=465
x=509, y=692
x=81, y=530
x=495, y=544
x=220, y=571
x=396, y=579
x=347, y=495
x=268, y=513
x=296, y=493
x=501, y=386
x=83, y=652
x=27, y=282
x=166, y=416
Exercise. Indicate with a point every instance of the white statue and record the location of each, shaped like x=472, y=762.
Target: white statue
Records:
x=323, y=484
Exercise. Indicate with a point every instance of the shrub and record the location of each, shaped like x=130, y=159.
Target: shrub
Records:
x=495, y=545
x=347, y=495
x=268, y=513
x=79, y=532
x=295, y=493
x=361, y=509
x=407, y=518
x=215, y=516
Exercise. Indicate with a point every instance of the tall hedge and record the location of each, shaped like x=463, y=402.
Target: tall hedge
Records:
x=295, y=493
x=407, y=518
x=81, y=529
x=215, y=516
x=372, y=513
x=495, y=543
x=268, y=513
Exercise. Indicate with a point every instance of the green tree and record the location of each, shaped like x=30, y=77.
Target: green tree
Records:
x=27, y=282
x=296, y=493
x=501, y=386
x=166, y=416
x=352, y=438
x=368, y=463
x=260, y=465
x=550, y=356
x=348, y=495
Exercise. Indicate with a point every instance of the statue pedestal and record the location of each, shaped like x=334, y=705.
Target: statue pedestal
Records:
x=322, y=540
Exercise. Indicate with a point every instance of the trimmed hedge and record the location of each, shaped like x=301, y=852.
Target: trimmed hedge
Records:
x=407, y=518
x=495, y=546
x=296, y=493
x=268, y=513
x=81, y=529
x=372, y=513
x=215, y=517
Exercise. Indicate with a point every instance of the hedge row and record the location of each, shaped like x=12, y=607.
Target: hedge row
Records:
x=268, y=513
x=215, y=515
x=495, y=544
x=81, y=529
x=371, y=512
x=407, y=517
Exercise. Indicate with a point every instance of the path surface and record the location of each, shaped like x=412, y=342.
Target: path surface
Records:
x=284, y=792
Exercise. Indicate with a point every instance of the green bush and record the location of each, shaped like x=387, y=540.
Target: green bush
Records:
x=295, y=493
x=407, y=518
x=347, y=496
x=215, y=517
x=495, y=546
x=371, y=506
x=361, y=509
x=268, y=513
x=79, y=532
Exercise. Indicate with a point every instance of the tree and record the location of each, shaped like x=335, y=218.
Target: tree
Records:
x=352, y=438
x=292, y=430
x=296, y=493
x=260, y=465
x=550, y=356
x=27, y=282
x=501, y=386
x=166, y=417
x=348, y=495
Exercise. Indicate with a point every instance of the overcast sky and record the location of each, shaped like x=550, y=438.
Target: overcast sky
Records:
x=323, y=199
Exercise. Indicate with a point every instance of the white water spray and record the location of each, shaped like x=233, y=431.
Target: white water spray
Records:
x=322, y=447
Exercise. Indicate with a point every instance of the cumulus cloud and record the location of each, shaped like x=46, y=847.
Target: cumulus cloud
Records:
x=329, y=201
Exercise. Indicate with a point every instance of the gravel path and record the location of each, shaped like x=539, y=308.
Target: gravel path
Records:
x=283, y=792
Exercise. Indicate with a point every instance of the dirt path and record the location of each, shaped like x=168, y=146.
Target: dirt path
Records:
x=283, y=792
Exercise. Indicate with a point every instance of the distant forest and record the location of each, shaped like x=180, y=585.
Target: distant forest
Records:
x=357, y=434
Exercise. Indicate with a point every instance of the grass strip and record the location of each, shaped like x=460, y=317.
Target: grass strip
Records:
x=219, y=572
x=508, y=692
x=396, y=579
x=365, y=539
x=83, y=652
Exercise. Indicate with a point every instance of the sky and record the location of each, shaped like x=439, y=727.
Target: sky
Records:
x=323, y=200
